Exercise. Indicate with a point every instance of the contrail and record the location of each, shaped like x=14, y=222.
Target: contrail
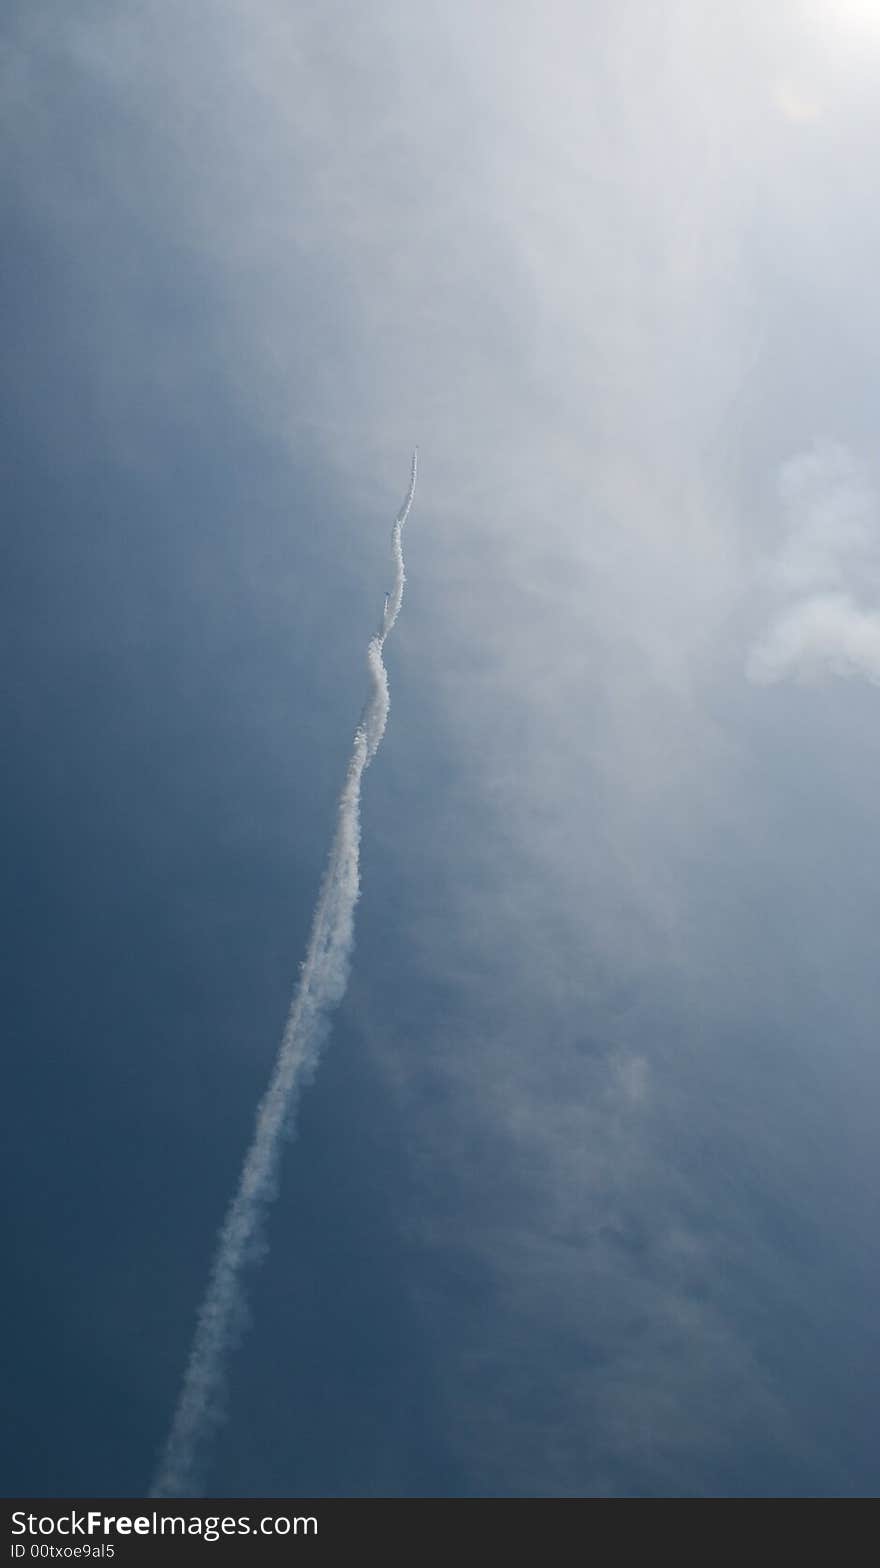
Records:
x=322, y=983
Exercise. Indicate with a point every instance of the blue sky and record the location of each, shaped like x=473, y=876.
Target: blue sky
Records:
x=583, y=1198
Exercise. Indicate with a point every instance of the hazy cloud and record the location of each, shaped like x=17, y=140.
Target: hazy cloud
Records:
x=608, y=274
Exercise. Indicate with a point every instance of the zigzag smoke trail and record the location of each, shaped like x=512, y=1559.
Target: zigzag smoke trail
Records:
x=323, y=979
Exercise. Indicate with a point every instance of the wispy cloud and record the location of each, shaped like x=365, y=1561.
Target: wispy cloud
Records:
x=604, y=214
x=831, y=551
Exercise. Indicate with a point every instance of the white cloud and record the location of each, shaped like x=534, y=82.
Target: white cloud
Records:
x=832, y=547
x=827, y=633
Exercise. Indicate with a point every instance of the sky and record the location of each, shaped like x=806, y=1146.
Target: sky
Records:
x=583, y=1199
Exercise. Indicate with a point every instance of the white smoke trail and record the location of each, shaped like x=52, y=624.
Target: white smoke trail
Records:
x=322, y=984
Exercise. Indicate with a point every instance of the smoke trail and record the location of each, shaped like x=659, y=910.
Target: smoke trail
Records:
x=322, y=984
